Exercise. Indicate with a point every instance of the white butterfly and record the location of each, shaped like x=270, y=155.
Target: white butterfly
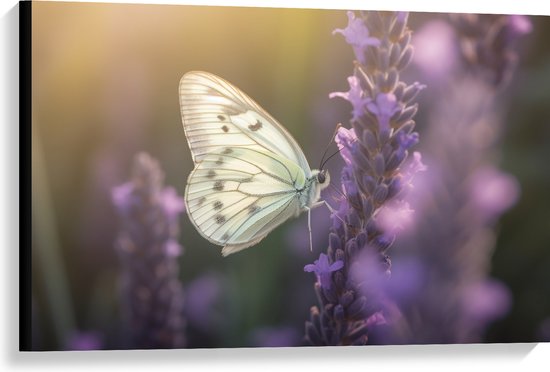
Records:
x=250, y=175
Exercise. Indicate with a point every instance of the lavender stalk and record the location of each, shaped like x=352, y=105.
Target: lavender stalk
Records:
x=466, y=193
x=374, y=180
x=151, y=293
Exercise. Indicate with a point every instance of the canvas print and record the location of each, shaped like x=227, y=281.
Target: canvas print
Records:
x=224, y=177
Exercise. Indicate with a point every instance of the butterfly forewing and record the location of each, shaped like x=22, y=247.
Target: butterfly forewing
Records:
x=217, y=114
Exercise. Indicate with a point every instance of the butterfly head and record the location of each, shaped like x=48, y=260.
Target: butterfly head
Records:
x=323, y=178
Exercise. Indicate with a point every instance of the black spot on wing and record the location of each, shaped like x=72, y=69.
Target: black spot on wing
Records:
x=221, y=117
x=220, y=219
x=253, y=209
x=255, y=127
x=218, y=186
x=225, y=128
x=211, y=174
x=218, y=205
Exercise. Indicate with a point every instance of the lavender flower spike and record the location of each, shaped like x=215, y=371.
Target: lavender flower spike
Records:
x=374, y=180
x=151, y=293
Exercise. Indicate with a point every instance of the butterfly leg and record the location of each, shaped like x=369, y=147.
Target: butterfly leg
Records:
x=308, y=209
x=331, y=209
x=315, y=205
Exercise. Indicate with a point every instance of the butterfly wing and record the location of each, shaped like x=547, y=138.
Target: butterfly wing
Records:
x=236, y=195
x=248, y=168
x=217, y=114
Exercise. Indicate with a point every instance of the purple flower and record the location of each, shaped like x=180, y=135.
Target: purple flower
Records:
x=376, y=319
x=486, y=301
x=122, y=197
x=323, y=269
x=173, y=204
x=461, y=197
x=172, y=248
x=384, y=107
x=435, y=50
x=520, y=24
x=394, y=216
x=414, y=166
x=372, y=180
x=354, y=95
x=407, y=141
x=358, y=36
x=345, y=138
x=151, y=292
x=408, y=278
x=489, y=44
x=493, y=191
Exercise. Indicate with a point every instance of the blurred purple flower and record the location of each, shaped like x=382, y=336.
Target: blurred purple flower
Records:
x=275, y=337
x=408, y=278
x=355, y=96
x=486, y=301
x=202, y=294
x=122, y=197
x=489, y=44
x=520, y=24
x=84, y=341
x=151, y=293
x=493, y=191
x=414, y=166
x=173, y=204
x=172, y=248
x=394, y=216
x=323, y=269
x=376, y=319
x=435, y=50
x=358, y=36
x=459, y=200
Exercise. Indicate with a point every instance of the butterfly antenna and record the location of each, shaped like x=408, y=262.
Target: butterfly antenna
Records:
x=330, y=157
x=323, y=162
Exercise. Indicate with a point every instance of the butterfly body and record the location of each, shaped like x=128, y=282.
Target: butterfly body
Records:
x=250, y=175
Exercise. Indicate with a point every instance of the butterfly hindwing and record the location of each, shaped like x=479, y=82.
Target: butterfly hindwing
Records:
x=236, y=195
x=217, y=114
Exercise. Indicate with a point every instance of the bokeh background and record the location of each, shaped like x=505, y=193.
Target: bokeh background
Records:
x=105, y=79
